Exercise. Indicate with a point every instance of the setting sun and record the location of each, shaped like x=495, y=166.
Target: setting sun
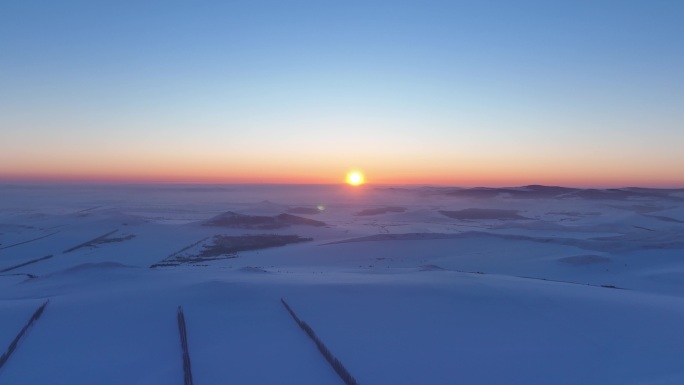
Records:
x=355, y=178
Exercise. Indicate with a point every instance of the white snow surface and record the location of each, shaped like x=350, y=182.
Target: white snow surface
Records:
x=582, y=290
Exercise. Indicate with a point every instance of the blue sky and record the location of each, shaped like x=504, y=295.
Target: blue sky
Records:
x=457, y=92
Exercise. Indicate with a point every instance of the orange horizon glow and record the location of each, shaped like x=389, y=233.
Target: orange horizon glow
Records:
x=464, y=180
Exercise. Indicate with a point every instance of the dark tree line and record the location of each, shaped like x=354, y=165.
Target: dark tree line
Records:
x=187, y=371
x=332, y=360
x=13, y=346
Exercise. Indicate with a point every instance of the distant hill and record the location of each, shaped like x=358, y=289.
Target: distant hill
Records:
x=381, y=210
x=555, y=192
x=261, y=222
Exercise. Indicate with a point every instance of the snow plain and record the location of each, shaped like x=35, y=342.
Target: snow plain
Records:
x=405, y=285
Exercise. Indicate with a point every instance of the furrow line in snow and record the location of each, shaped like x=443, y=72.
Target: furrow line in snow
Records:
x=541, y=279
x=30, y=276
x=13, y=345
x=332, y=360
x=26, y=263
x=187, y=371
x=86, y=210
x=30, y=240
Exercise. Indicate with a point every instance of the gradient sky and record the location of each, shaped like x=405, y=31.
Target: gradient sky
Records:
x=465, y=93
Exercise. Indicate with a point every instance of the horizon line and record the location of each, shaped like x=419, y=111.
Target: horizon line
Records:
x=341, y=184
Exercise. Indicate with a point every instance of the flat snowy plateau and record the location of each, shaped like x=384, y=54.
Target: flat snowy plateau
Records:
x=404, y=285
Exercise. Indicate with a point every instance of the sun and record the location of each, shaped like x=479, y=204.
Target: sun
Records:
x=355, y=178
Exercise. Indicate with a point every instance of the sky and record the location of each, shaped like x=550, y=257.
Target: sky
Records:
x=463, y=93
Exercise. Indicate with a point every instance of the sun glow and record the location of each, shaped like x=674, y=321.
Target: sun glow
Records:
x=355, y=178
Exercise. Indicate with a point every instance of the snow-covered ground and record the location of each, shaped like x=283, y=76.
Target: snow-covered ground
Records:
x=405, y=285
